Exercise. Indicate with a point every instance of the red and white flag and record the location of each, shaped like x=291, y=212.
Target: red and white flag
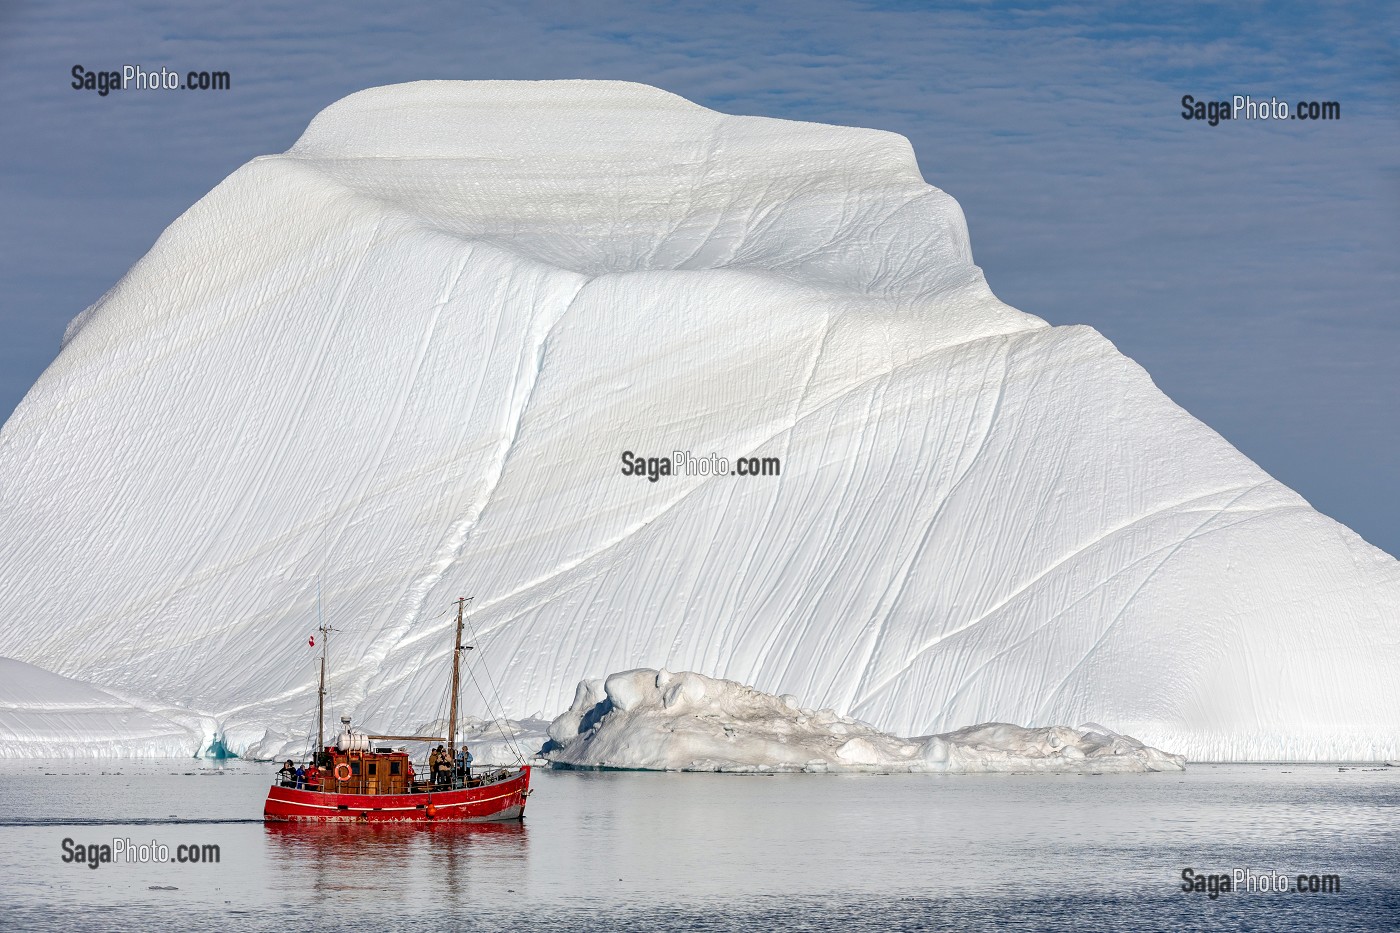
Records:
x=311, y=641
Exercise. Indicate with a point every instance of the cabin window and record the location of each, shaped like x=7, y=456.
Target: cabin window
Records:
x=393, y=767
x=355, y=768
x=370, y=769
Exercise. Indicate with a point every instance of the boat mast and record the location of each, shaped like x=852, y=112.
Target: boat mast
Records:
x=456, y=682
x=325, y=631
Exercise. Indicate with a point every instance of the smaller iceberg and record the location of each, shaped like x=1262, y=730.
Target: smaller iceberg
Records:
x=217, y=749
x=662, y=721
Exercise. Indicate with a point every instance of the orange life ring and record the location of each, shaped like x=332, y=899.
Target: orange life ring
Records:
x=346, y=775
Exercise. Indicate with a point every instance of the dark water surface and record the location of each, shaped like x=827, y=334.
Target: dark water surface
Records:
x=627, y=851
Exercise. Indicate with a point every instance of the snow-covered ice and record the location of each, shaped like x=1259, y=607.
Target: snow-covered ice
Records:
x=663, y=721
x=406, y=356
x=504, y=742
x=491, y=741
x=45, y=715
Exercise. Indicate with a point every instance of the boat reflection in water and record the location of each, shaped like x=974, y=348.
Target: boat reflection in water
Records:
x=402, y=861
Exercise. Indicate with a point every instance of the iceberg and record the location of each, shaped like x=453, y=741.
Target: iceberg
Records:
x=409, y=355
x=45, y=715
x=662, y=721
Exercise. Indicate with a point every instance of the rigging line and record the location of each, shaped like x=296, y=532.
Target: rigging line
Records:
x=489, y=679
x=312, y=713
x=444, y=706
x=500, y=722
x=486, y=670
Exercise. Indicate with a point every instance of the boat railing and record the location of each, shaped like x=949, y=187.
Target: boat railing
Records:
x=481, y=778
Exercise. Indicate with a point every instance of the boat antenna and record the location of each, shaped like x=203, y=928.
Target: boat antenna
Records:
x=456, y=680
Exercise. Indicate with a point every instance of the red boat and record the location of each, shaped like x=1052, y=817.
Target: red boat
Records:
x=498, y=796
x=355, y=780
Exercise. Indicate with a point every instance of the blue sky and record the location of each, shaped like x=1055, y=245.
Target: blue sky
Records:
x=1251, y=268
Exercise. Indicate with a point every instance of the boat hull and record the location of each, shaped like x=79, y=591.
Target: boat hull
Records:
x=497, y=801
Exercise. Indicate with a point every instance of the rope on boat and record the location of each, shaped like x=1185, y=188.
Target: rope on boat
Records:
x=311, y=716
x=500, y=723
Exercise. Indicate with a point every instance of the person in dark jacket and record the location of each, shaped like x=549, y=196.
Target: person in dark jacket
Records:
x=288, y=775
x=301, y=778
x=444, y=767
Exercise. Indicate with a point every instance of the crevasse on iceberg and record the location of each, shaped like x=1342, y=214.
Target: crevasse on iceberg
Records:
x=406, y=355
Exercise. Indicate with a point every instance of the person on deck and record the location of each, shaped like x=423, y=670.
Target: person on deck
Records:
x=301, y=778
x=443, y=775
x=287, y=776
x=464, y=764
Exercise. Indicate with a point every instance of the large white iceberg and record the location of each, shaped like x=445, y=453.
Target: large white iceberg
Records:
x=660, y=721
x=407, y=355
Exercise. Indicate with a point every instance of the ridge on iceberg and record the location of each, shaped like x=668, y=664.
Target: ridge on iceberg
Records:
x=663, y=721
x=405, y=357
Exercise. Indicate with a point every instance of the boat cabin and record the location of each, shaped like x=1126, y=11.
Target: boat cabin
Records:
x=380, y=770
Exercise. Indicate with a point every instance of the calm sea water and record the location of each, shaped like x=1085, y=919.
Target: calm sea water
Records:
x=628, y=851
